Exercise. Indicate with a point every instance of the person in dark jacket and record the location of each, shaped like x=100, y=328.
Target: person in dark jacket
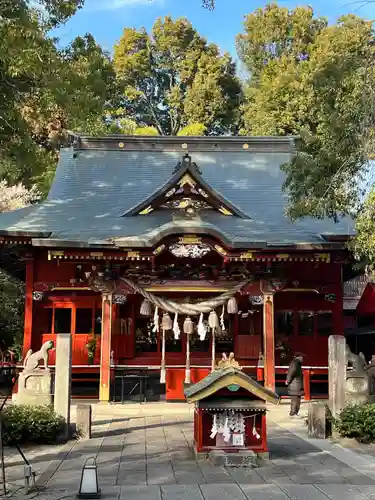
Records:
x=294, y=381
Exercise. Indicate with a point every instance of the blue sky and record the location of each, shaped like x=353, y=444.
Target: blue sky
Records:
x=106, y=19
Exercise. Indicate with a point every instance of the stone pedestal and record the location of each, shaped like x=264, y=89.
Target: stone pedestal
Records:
x=317, y=420
x=35, y=388
x=336, y=373
x=63, y=376
x=245, y=458
x=357, y=389
x=83, y=421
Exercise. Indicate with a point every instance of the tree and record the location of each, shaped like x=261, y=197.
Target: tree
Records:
x=45, y=90
x=312, y=80
x=172, y=78
x=363, y=245
x=15, y=197
x=193, y=130
x=208, y=4
x=12, y=294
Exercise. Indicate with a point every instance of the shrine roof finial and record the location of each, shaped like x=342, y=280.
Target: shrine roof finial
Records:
x=228, y=362
x=187, y=164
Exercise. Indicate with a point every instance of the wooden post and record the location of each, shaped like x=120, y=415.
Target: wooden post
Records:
x=269, y=342
x=105, y=352
x=336, y=373
x=28, y=323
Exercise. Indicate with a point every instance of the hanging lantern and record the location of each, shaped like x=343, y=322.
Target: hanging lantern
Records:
x=146, y=308
x=188, y=326
x=232, y=306
x=213, y=320
x=166, y=322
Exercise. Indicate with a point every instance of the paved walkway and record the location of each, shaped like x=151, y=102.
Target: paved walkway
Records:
x=144, y=452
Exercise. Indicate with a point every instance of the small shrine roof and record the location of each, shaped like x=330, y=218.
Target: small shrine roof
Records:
x=100, y=182
x=221, y=378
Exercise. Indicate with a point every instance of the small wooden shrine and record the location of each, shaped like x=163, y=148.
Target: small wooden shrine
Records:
x=230, y=411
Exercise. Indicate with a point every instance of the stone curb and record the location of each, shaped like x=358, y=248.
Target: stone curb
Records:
x=46, y=476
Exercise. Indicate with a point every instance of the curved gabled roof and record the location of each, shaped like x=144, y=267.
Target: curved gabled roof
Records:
x=220, y=379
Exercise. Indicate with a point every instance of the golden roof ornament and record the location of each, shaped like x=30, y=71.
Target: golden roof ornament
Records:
x=228, y=362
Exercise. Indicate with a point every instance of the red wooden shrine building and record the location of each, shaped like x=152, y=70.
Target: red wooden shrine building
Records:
x=184, y=220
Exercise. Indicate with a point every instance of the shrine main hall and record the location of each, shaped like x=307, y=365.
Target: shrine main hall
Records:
x=159, y=254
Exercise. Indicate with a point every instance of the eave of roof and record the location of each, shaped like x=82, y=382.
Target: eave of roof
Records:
x=27, y=234
x=165, y=143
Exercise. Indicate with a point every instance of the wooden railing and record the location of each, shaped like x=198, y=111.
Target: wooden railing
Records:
x=310, y=377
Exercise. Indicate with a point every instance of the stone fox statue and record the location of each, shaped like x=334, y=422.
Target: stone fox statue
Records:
x=356, y=361
x=31, y=362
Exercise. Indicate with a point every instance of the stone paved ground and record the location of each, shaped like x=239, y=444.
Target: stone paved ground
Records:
x=144, y=452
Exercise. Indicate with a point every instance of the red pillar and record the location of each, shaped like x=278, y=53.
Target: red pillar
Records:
x=28, y=323
x=264, y=433
x=269, y=341
x=105, y=352
x=306, y=384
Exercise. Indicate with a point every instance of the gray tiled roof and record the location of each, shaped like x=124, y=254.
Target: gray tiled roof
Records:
x=93, y=189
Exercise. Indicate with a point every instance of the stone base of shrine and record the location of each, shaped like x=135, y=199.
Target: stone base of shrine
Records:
x=245, y=458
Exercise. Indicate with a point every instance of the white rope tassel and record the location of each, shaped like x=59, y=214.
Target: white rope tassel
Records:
x=214, y=427
x=176, y=327
x=156, y=320
x=162, y=366
x=202, y=330
x=187, y=368
x=255, y=432
x=222, y=324
x=213, y=351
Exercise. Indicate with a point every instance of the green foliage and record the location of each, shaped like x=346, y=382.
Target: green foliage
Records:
x=363, y=245
x=194, y=130
x=357, y=421
x=91, y=344
x=312, y=80
x=146, y=131
x=45, y=90
x=12, y=300
x=38, y=424
x=172, y=78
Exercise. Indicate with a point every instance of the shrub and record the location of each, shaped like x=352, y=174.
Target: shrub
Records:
x=25, y=423
x=357, y=421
